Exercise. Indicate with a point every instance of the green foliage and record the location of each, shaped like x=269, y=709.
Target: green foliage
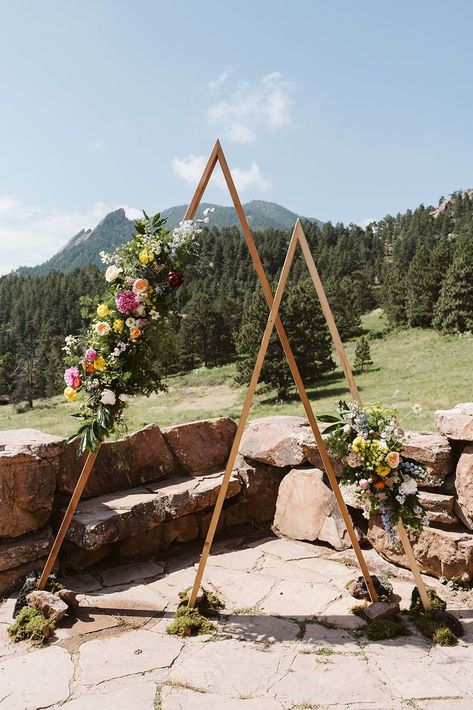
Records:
x=307, y=332
x=362, y=354
x=32, y=626
x=454, y=309
x=190, y=621
x=379, y=629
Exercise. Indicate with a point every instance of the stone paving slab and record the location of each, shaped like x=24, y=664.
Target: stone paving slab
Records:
x=131, y=652
x=138, y=693
x=293, y=643
x=175, y=698
x=35, y=680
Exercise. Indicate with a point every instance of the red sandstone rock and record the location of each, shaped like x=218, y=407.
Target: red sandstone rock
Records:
x=442, y=553
x=48, y=604
x=464, y=487
x=29, y=462
x=306, y=509
x=201, y=446
x=456, y=423
x=277, y=441
x=142, y=457
x=432, y=450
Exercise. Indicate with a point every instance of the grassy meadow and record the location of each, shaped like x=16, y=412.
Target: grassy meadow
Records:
x=411, y=366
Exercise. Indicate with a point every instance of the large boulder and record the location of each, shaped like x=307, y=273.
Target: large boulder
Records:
x=306, y=509
x=464, y=487
x=201, y=446
x=142, y=457
x=456, y=423
x=432, y=450
x=441, y=553
x=29, y=461
x=260, y=487
x=439, y=507
x=277, y=441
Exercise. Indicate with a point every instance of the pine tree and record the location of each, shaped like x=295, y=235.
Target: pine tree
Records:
x=362, y=354
x=307, y=332
x=454, y=309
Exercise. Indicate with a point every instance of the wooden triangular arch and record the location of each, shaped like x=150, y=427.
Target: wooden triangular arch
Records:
x=274, y=321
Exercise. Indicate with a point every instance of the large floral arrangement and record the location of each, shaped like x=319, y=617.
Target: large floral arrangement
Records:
x=369, y=441
x=117, y=358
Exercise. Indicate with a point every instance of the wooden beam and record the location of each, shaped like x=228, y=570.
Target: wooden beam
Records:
x=71, y=508
x=243, y=418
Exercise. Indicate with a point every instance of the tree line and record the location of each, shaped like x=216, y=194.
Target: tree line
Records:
x=418, y=266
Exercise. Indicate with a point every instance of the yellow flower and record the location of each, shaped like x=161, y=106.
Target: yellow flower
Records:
x=70, y=394
x=383, y=470
x=103, y=310
x=145, y=257
x=358, y=443
x=99, y=364
x=118, y=324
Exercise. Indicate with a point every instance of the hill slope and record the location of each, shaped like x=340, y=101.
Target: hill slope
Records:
x=115, y=229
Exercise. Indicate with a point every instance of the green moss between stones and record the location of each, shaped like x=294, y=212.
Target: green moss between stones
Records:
x=192, y=621
x=31, y=625
x=388, y=628
x=428, y=625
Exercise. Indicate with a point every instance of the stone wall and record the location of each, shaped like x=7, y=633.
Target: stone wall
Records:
x=157, y=487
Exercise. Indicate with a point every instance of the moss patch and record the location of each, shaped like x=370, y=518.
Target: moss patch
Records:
x=193, y=621
x=437, y=624
x=31, y=625
x=379, y=629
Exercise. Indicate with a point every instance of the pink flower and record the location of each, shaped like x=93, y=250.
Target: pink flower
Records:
x=91, y=355
x=72, y=377
x=363, y=483
x=126, y=301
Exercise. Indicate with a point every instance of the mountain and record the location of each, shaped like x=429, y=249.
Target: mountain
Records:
x=115, y=229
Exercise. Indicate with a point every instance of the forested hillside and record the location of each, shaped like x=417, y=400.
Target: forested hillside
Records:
x=418, y=266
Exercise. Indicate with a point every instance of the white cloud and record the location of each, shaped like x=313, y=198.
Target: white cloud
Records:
x=366, y=221
x=214, y=85
x=190, y=169
x=253, y=107
x=30, y=234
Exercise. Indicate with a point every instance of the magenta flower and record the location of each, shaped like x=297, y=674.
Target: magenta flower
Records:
x=91, y=355
x=126, y=301
x=71, y=376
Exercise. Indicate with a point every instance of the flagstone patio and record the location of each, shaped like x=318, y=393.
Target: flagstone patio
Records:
x=286, y=640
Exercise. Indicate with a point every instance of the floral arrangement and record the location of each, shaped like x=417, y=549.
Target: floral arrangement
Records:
x=369, y=441
x=117, y=358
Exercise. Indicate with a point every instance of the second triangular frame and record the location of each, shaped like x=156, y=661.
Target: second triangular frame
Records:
x=274, y=320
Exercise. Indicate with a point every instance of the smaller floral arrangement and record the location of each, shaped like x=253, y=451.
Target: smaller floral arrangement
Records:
x=118, y=357
x=369, y=441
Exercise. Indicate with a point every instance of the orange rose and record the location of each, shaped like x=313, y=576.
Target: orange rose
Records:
x=135, y=333
x=140, y=285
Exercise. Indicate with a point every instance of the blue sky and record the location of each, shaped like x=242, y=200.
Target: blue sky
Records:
x=340, y=110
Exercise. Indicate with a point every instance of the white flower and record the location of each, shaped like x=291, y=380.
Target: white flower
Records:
x=108, y=397
x=154, y=314
x=347, y=429
x=409, y=487
x=208, y=210
x=130, y=322
x=102, y=328
x=401, y=499
x=112, y=273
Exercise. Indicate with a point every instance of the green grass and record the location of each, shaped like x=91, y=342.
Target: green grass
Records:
x=412, y=366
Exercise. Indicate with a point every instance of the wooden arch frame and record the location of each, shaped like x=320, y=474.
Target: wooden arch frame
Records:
x=274, y=321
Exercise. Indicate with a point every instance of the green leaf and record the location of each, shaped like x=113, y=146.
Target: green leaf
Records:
x=328, y=418
x=331, y=429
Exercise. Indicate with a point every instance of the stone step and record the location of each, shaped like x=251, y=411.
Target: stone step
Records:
x=439, y=507
x=117, y=516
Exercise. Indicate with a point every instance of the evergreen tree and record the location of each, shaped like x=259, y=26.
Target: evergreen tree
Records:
x=454, y=310
x=362, y=354
x=307, y=332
